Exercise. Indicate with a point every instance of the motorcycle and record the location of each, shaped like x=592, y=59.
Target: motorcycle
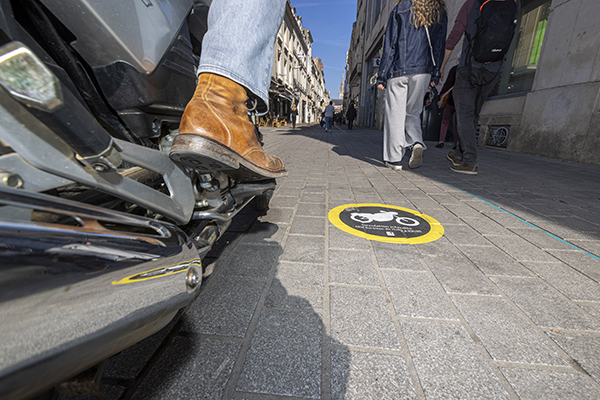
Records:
x=102, y=235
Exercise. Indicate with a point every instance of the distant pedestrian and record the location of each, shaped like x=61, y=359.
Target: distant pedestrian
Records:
x=329, y=111
x=447, y=103
x=351, y=115
x=339, y=118
x=413, y=50
x=478, y=69
x=293, y=115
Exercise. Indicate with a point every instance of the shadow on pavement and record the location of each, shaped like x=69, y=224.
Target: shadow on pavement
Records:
x=252, y=332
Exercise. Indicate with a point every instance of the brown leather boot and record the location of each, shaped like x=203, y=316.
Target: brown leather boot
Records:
x=215, y=134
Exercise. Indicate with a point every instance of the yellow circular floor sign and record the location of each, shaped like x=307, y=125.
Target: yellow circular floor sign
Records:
x=385, y=223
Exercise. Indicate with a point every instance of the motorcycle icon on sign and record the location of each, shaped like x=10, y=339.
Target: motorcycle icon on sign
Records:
x=383, y=216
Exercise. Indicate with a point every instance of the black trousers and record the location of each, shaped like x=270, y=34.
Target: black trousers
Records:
x=470, y=92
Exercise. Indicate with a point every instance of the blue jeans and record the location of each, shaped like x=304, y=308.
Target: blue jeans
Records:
x=328, y=121
x=240, y=41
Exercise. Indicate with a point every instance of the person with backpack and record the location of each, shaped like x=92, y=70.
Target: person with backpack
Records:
x=488, y=27
x=413, y=49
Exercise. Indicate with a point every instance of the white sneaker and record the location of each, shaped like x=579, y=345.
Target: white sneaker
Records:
x=395, y=166
x=416, y=158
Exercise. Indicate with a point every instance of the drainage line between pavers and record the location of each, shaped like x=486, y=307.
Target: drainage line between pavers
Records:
x=514, y=216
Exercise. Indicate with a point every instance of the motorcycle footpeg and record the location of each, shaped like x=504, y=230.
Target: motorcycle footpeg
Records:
x=206, y=155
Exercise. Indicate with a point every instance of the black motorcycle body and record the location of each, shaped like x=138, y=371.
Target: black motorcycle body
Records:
x=101, y=234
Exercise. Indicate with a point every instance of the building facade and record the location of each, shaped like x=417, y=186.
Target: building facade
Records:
x=296, y=77
x=548, y=100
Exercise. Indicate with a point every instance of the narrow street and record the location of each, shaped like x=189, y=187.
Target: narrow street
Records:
x=505, y=305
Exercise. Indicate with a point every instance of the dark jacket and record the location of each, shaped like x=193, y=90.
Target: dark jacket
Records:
x=351, y=114
x=406, y=49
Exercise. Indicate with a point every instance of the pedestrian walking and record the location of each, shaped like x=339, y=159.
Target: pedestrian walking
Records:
x=488, y=29
x=351, y=115
x=413, y=50
x=293, y=115
x=329, y=112
x=447, y=103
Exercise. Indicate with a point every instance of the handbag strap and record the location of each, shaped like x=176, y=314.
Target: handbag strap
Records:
x=430, y=47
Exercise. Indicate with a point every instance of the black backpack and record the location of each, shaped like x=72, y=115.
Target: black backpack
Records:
x=495, y=30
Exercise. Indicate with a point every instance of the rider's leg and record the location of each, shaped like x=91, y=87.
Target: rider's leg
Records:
x=236, y=59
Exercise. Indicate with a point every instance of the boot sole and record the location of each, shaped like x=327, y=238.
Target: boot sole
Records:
x=462, y=171
x=453, y=161
x=206, y=155
x=416, y=159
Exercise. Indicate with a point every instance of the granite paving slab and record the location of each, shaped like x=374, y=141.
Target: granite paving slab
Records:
x=546, y=307
x=297, y=285
x=361, y=376
x=449, y=364
x=352, y=268
x=493, y=261
x=506, y=333
x=304, y=225
x=361, y=317
x=416, y=294
x=397, y=256
x=304, y=249
x=225, y=307
x=584, y=349
x=460, y=276
x=285, y=355
x=190, y=368
x=542, y=384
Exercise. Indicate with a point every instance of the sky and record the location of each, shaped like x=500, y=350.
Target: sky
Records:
x=330, y=24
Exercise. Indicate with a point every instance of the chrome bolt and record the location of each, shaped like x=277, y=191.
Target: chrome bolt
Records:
x=202, y=203
x=193, y=278
x=11, y=180
x=156, y=126
x=99, y=167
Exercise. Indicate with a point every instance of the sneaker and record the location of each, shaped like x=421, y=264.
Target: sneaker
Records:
x=416, y=158
x=396, y=166
x=464, y=169
x=453, y=159
x=440, y=145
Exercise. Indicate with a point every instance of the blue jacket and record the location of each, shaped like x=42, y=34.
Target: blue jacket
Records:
x=406, y=49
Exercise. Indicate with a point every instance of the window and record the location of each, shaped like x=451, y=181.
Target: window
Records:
x=525, y=50
x=373, y=11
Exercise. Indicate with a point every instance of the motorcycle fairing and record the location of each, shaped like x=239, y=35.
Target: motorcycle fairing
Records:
x=119, y=91
x=137, y=32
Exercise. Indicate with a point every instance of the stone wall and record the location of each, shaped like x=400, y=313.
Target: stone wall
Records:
x=560, y=117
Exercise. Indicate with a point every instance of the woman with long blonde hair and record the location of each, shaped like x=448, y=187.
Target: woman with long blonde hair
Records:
x=413, y=51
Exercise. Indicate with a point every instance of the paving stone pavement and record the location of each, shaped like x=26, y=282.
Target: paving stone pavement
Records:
x=506, y=305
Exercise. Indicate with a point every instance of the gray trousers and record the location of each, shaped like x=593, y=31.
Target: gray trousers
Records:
x=403, y=106
x=468, y=100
